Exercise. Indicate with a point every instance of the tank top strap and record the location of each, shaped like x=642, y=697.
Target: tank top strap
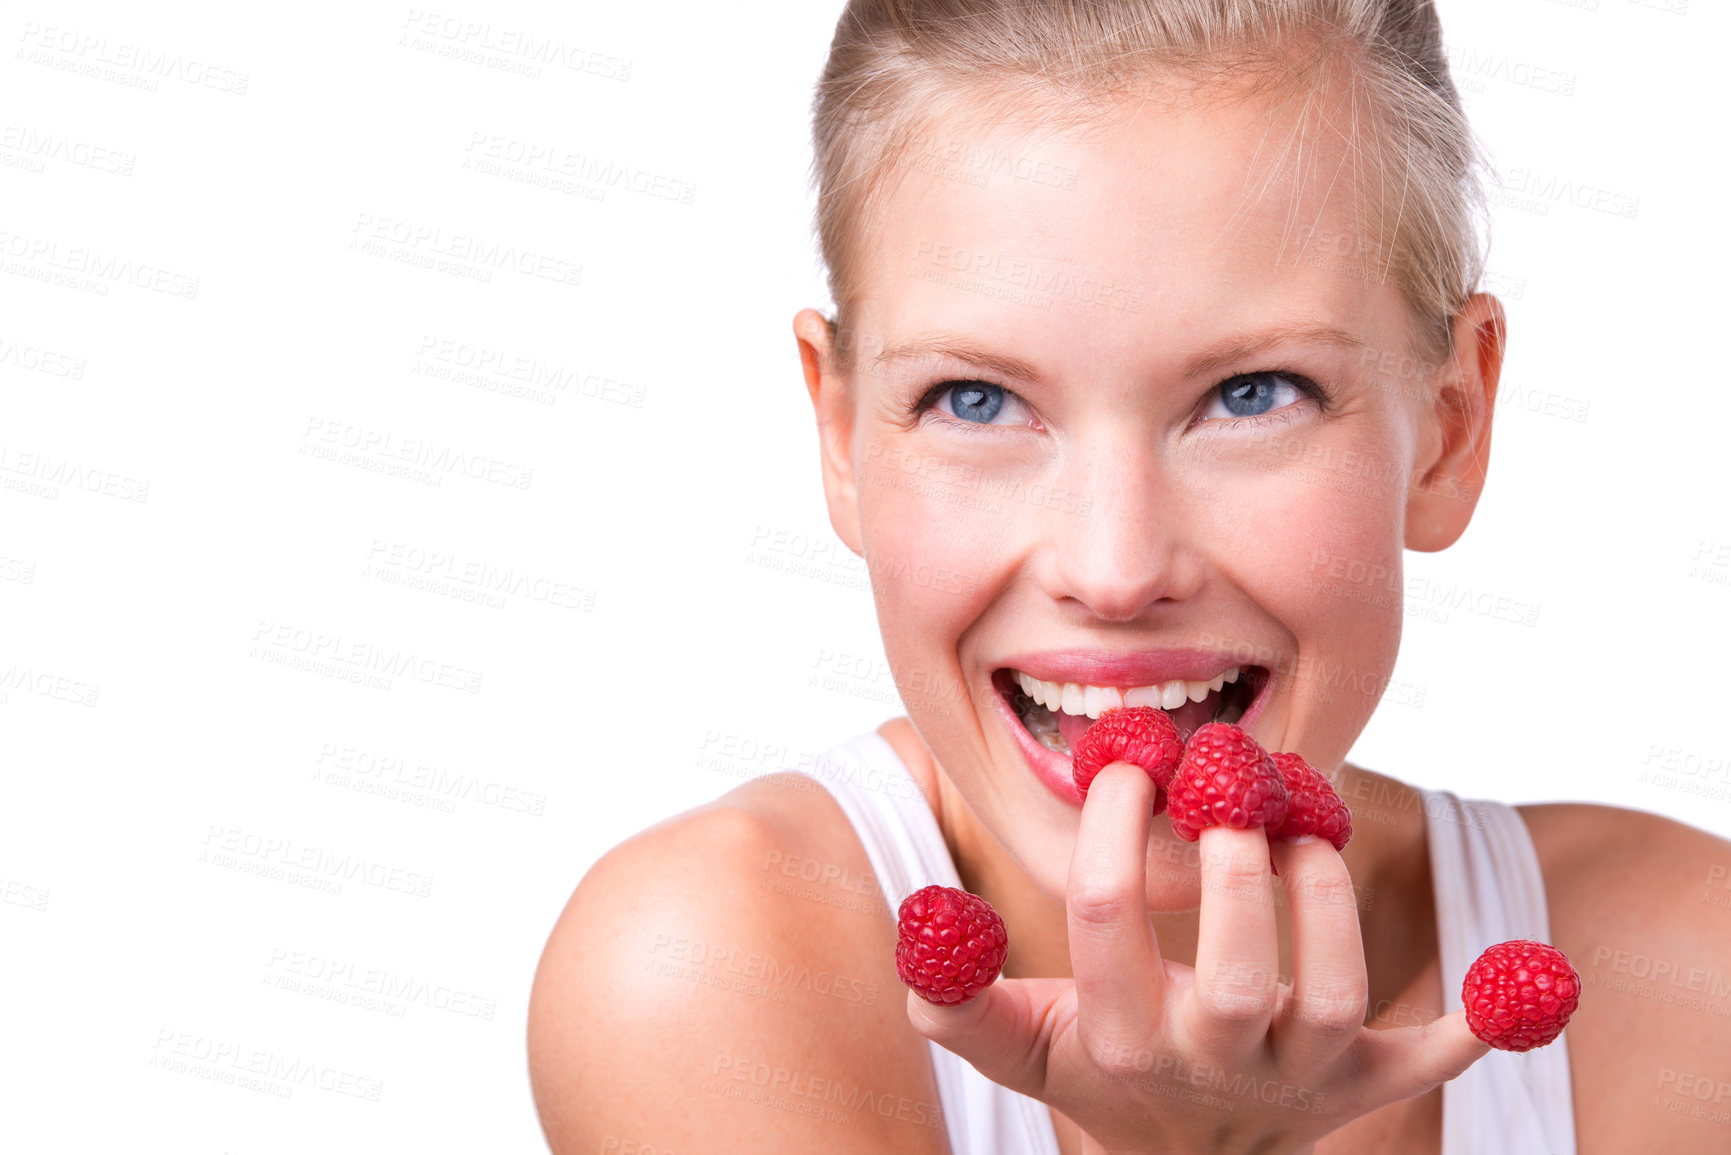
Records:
x=890, y=814
x=1489, y=889
x=901, y=837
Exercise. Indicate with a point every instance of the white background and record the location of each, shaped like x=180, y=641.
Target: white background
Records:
x=172, y=544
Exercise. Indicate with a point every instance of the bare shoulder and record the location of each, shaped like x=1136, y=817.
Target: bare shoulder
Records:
x=1641, y=904
x=725, y=981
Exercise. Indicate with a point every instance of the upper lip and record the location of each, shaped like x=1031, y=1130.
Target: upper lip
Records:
x=1124, y=670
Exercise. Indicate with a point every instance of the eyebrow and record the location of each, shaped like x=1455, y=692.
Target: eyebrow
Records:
x=1220, y=353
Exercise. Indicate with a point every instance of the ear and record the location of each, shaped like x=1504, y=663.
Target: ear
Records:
x=1455, y=436
x=832, y=400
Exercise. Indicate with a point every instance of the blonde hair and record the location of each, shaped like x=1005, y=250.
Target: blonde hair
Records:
x=896, y=67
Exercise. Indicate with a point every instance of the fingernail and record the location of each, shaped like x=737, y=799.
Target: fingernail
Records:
x=1302, y=839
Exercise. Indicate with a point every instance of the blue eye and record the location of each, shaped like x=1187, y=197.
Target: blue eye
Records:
x=976, y=401
x=1254, y=394
x=970, y=402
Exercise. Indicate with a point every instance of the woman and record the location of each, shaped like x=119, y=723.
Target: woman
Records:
x=1205, y=345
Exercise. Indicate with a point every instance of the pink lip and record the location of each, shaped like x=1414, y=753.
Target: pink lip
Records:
x=1056, y=770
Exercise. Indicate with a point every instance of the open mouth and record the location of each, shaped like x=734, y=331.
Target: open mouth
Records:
x=1057, y=714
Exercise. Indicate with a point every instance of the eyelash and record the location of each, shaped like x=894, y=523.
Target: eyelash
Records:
x=1303, y=384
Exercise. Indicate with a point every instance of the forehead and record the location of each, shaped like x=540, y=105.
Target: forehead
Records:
x=1162, y=226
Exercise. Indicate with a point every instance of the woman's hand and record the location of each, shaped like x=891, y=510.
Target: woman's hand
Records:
x=1147, y=1055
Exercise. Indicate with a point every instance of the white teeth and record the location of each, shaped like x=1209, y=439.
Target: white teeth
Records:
x=1078, y=699
x=1030, y=686
x=1143, y=696
x=1099, y=699
x=1045, y=693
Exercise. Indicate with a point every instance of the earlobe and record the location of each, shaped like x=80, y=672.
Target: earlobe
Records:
x=1450, y=475
x=831, y=400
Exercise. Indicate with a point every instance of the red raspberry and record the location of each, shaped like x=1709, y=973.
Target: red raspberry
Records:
x=1312, y=804
x=1139, y=734
x=950, y=945
x=1519, y=994
x=1225, y=779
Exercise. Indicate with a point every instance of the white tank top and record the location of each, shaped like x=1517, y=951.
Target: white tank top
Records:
x=1488, y=890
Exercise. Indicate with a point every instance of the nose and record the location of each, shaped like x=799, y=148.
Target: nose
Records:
x=1123, y=544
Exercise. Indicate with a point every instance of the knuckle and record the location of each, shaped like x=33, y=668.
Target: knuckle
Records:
x=1099, y=904
x=1326, y=888
x=1235, y=866
x=1237, y=1004
x=1117, y=1060
x=1336, y=1011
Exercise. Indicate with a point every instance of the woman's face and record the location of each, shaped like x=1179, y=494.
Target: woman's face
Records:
x=1160, y=442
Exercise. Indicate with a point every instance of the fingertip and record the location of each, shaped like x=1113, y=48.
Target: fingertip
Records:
x=938, y=1022
x=1413, y=1060
x=1451, y=1045
x=1122, y=777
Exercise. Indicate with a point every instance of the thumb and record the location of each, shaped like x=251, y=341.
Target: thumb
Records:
x=1005, y=1031
x=1411, y=1061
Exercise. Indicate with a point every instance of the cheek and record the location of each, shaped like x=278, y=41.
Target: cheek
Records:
x=1329, y=569
x=929, y=540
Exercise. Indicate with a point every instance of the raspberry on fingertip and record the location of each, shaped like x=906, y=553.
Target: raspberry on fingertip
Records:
x=950, y=945
x=1313, y=806
x=1520, y=994
x=1225, y=779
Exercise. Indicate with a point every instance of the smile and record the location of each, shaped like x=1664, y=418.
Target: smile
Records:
x=1056, y=714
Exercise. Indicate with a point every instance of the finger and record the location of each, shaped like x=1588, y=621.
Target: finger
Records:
x=1120, y=979
x=1005, y=1031
x=1402, y=1063
x=1237, y=946
x=1330, y=987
